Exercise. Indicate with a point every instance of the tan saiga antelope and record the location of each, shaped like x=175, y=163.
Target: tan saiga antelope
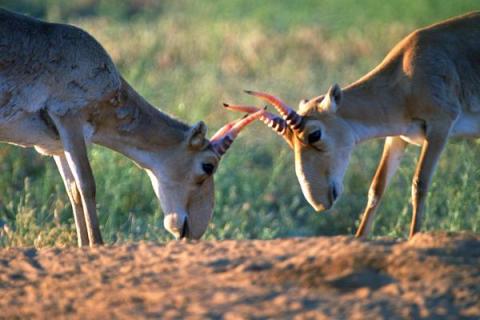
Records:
x=425, y=91
x=59, y=91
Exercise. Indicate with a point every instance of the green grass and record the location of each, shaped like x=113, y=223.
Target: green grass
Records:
x=186, y=57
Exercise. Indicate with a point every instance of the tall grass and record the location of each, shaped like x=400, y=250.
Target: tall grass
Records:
x=186, y=57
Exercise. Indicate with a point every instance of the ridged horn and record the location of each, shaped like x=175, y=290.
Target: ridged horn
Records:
x=223, y=138
x=276, y=123
x=293, y=119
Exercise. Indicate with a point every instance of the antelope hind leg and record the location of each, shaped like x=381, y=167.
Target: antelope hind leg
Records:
x=75, y=199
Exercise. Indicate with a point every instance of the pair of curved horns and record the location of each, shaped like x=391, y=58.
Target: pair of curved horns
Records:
x=289, y=117
x=276, y=123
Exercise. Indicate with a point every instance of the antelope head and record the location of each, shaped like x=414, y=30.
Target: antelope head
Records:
x=183, y=178
x=322, y=142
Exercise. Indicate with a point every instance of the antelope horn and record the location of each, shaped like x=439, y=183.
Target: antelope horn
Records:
x=293, y=119
x=276, y=123
x=223, y=130
x=223, y=139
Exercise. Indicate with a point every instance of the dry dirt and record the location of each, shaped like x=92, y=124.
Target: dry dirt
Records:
x=433, y=276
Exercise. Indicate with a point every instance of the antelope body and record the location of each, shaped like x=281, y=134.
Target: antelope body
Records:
x=425, y=91
x=60, y=91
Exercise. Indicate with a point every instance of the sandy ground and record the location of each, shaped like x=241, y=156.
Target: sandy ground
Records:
x=433, y=276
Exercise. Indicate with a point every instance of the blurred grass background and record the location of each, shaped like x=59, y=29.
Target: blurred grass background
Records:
x=186, y=57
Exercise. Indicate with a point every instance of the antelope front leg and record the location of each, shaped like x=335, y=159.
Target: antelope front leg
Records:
x=436, y=138
x=393, y=151
x=70, y=130
x=75, y=199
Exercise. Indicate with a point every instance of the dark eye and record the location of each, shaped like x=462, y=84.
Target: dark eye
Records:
x=314, y=136
x=208, y=168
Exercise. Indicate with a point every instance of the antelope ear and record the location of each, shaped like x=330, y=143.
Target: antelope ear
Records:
x=332, y=100
x=196, y=136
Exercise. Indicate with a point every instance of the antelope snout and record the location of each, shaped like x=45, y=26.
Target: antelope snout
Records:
x=322, y=201
x=318, y=206
x=177, y=225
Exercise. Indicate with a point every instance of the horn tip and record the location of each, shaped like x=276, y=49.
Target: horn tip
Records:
x=226, y=105
x=248, y=91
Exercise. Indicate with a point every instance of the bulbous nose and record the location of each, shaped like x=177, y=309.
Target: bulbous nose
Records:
x=318, y=202
x=317, y=205
x=176, y=224
x=325, y=202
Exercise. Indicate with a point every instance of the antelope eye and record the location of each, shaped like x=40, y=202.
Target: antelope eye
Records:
x=208, y=168
x=314, y=136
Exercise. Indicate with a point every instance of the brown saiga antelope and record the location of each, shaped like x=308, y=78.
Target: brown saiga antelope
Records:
x=425, y=91
x=60, y=91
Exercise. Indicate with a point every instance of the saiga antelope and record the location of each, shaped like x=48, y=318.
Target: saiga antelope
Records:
x=60, y=91
x=425, y=91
